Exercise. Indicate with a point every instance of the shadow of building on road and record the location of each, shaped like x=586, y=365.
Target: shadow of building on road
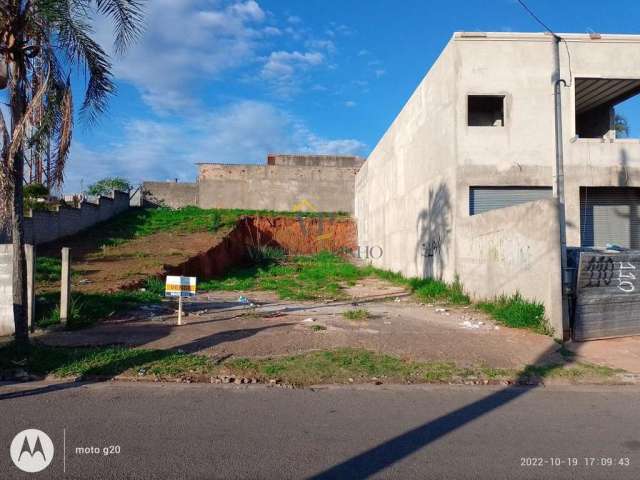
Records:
x=384, y=455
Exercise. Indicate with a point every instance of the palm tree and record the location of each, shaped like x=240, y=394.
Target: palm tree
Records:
x=41, y=42
x=621, y=126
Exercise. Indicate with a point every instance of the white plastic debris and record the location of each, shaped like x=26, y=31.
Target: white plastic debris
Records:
x=496, y=328
x=441, y=310
x=308, y=320
x=397, y=299
x=468, y=324
x=242, y=299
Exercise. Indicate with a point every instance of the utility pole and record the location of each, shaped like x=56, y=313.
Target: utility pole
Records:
x=558, y=186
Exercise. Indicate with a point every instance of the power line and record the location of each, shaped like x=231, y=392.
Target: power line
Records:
x=555, y=35
x=536, y=18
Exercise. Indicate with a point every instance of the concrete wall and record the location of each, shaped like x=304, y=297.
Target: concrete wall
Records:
x=276, y=187
x=7, y=325
x=6, y=290
x=413, y=192
x=405, y=192
x=170, y=194
x=46, y=226
x=513, y=250
x=330, y=161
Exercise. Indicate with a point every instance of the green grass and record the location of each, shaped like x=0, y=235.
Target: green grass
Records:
x=516, y=312
x=88, y=308
x=309, y=277
x=344, y=365
x=318, y=328
x=321, y=276
x=48, y=269
x=99, y=361
x=426, y=289
x=356, y=314
x=147, y=221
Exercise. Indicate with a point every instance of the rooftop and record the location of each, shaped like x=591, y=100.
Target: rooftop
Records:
x=545, y=36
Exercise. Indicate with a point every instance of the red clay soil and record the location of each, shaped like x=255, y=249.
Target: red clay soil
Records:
x=201, y=254
x=128, y=265
x=294, y=236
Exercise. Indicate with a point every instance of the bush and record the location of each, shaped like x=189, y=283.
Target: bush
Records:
x=107, y=185
x=35, y=190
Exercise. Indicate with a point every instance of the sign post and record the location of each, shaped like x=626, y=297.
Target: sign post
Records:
x=180, y=287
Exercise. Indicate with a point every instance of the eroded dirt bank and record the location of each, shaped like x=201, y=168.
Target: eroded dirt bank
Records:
x=293, y=235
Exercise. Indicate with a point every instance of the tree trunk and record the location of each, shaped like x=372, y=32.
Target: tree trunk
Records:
x=16, y=164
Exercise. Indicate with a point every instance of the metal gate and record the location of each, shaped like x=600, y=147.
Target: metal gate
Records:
x=607, y=300
x=484, y=199
x=610, y=215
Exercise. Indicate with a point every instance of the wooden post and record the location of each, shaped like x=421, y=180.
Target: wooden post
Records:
x=30, y=254
x=180, y=310
x=65, y=286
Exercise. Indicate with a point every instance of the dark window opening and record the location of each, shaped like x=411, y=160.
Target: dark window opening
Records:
x=601, y=106
x=486, y=110
x=485, y=199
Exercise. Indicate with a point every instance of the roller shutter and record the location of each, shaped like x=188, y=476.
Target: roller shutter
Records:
x=484, y=199
x=610, y=215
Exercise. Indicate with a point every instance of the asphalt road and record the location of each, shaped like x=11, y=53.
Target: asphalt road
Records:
x=208, y=431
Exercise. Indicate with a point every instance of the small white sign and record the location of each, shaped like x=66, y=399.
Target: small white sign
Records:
x=180, y=286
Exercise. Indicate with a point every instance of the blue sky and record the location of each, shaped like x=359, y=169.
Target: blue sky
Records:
x=231, y=80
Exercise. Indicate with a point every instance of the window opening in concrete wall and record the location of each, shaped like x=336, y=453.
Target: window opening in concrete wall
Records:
x=486, y=110
x=485, y=199
x=604, y=107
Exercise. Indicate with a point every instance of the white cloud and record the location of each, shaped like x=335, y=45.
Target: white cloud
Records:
x=380, y=72
x=272, y=31
x=283, y=69
x=185, y=42
x=350, y=104
x=327, y=45
x=243, y=132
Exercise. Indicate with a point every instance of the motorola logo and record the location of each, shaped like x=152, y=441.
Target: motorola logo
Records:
x=31, y=450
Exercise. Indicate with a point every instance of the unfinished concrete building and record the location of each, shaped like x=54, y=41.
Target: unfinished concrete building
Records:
x=461, y=186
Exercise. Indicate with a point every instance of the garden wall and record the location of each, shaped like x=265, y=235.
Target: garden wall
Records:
x=41, y=226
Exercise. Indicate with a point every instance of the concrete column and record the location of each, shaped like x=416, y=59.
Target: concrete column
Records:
x=65, y=286
x=30, y=254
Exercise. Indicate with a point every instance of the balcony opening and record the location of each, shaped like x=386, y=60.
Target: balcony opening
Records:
x=486, y=110
x=604, y=106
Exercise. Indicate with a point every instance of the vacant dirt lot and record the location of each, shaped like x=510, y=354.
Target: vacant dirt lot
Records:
x=99, y=268
x=220, y=326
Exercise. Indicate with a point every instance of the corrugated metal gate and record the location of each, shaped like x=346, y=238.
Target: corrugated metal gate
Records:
x=607, y=295
x=484, y=199
x=610, y=215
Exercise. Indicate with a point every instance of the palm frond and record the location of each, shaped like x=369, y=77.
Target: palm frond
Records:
x=73, y=35
x=19, y=131
x=127, y=16
x=64, y=133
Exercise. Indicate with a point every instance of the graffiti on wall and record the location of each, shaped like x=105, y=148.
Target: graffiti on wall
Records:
x=432, y=247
